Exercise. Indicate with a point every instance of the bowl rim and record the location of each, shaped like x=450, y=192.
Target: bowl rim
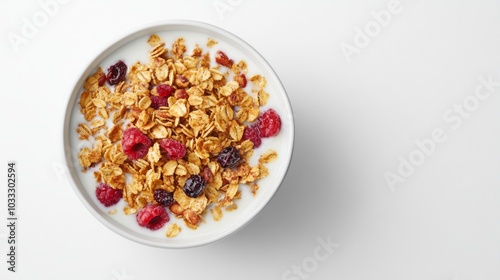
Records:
x=109, y=48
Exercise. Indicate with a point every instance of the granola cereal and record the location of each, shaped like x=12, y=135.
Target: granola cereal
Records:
x=181, y=111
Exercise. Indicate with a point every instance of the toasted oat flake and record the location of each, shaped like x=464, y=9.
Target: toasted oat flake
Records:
x=83, y=131
x=231, y=190
x=259, y=81
x=268, y=156
x=144, y=103
x=217, y=213
x=179, y=108
x=262, y=97
x=253, y=114
x=211, y=42
x=99, y=103
x=154, y=154
x=97, y=123
x=159, y=132
x=173, y=230
x=169, y=168
x=229, y=88
x=178, y=48
x=232, y=207
x=254, y=188
x=129, y=210
x=115, y=133
x=154, y=40
x=236, y=131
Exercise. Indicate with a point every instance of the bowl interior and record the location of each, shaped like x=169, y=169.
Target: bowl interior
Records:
x=133, y=47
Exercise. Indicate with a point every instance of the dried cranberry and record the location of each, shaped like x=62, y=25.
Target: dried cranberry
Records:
x=222, y=59
x=116, y=73
x=153, y=217
x=158, y=101
x=174, y=149
x=252, y=133
x=208, y=175
x=269, y=123
x=102, y=80
x=163, y=197
x=241, y=79
x=164, y=90
x=107, y=195
x=194, y=186
x=135, y=144
x=229, y=157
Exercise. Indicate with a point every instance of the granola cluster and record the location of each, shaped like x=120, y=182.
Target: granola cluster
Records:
x=207, y=112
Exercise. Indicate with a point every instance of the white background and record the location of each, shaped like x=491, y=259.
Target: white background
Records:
x=355, y=116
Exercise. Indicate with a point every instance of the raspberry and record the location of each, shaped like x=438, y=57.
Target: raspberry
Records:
x=269, y=123
x=163, y=197
x=135, y=144
x=229, y=157
x=164, y=90
x=252, y=133
x=152, y=216
x=194, y=186
x=107, y=195
x=222, y=59
x=116, y=73
x=158, y=101
x=174, y=149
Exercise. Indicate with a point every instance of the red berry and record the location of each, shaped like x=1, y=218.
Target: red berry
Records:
x=135, y=144
x=241, y=80
x=152, y=216
x=164, y=90
x=269, y=123
x=208, y=176
x=194, y=186
x=158, y=101
x=229, y=157
x=174, y=149
x=252, y=133
x=163, y=197
x=102, y=79
x=107, y=195
x=222, y=59
x=116, y=73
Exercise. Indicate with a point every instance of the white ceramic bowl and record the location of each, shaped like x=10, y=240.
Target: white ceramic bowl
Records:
x=133, y=47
